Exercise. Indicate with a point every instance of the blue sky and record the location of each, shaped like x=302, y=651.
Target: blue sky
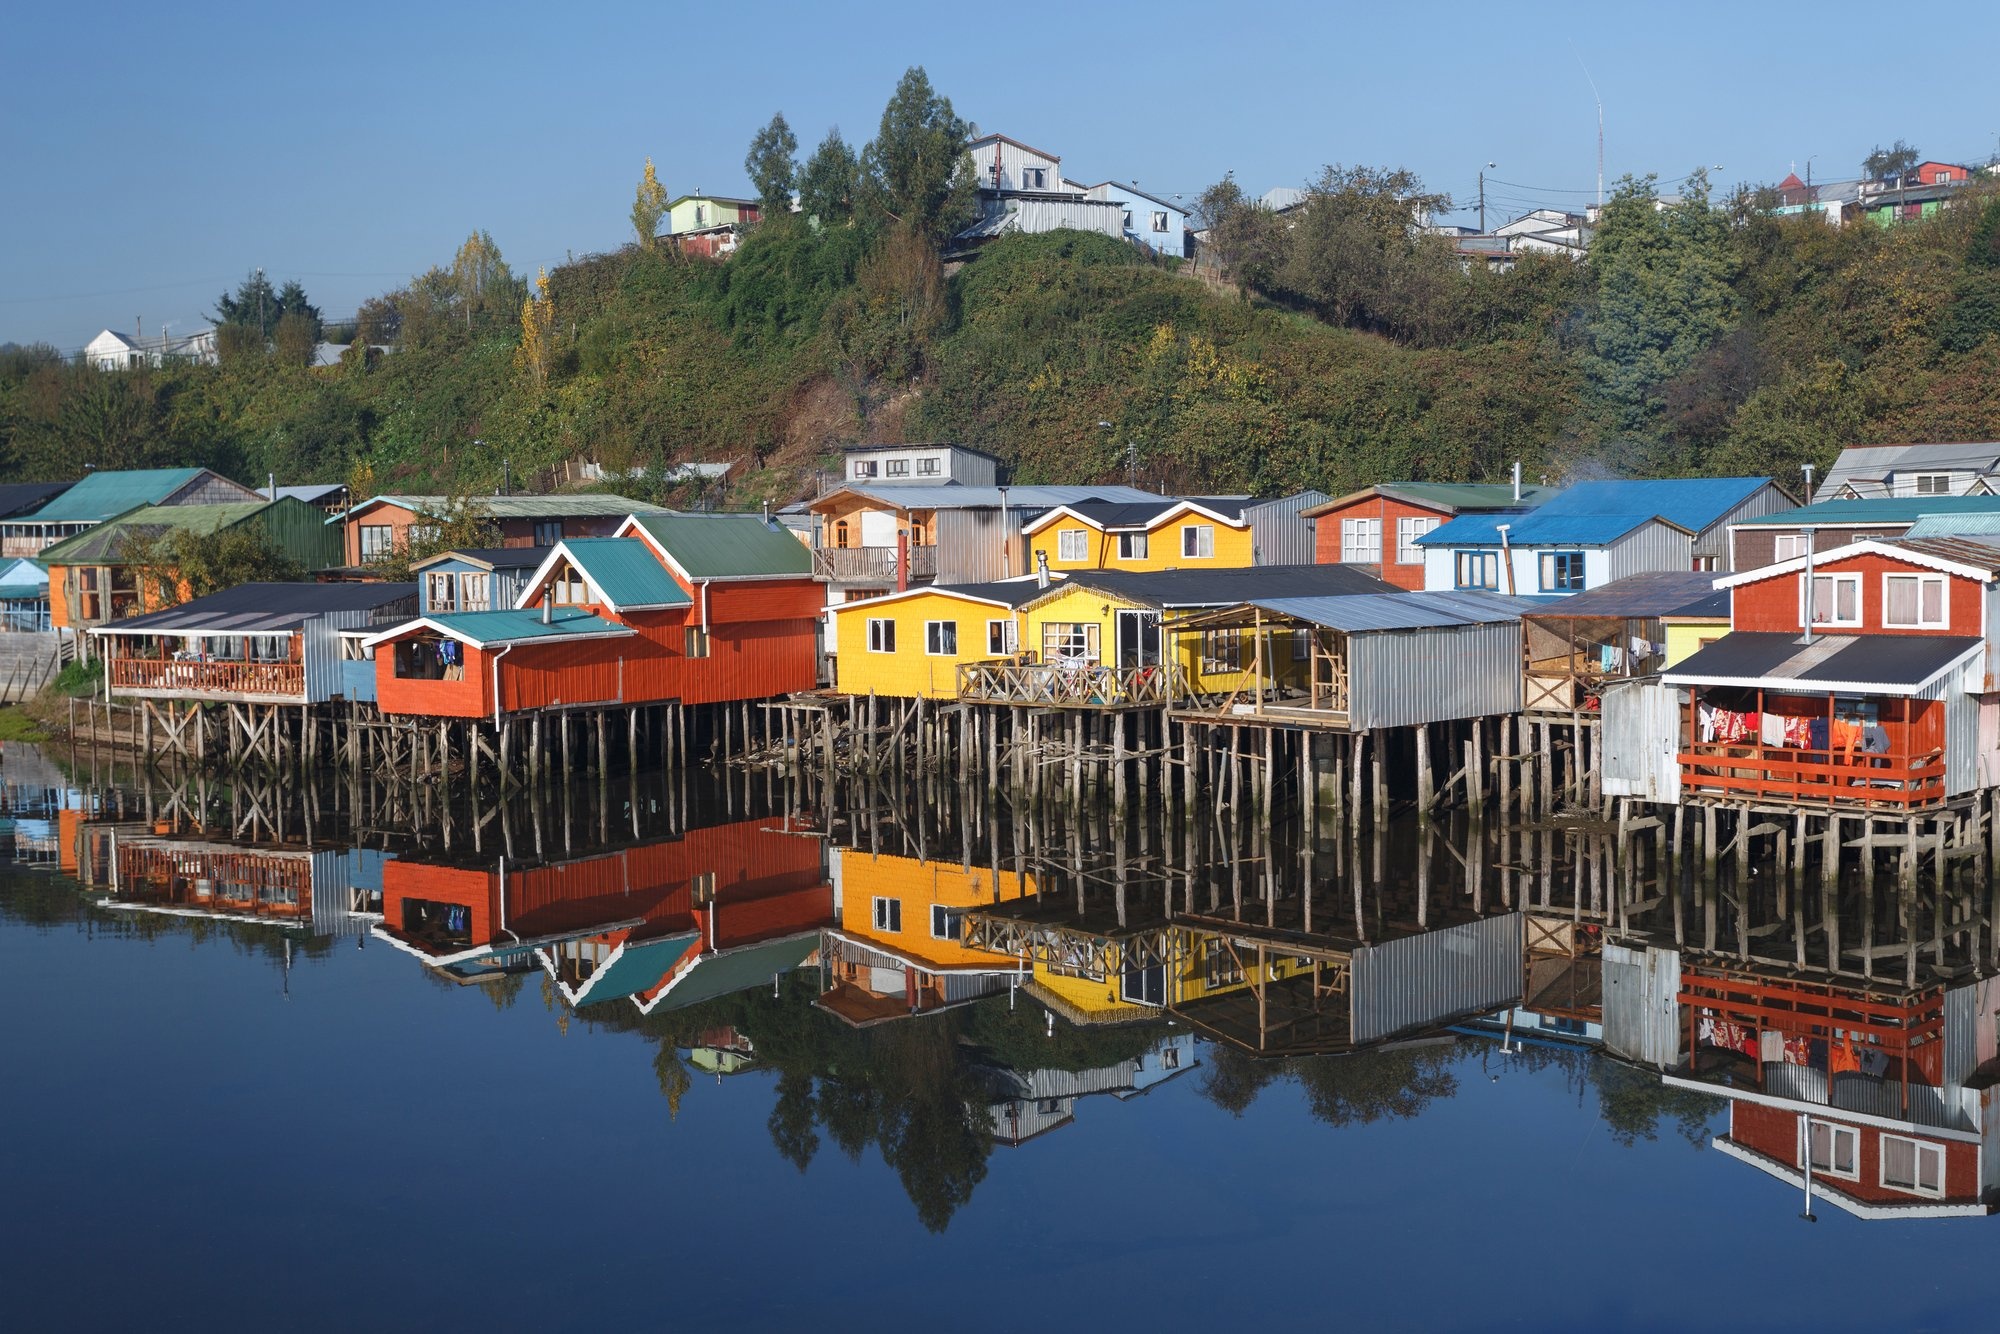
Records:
x=156, y=153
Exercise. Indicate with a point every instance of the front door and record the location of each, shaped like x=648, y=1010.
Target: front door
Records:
x=1138, y=639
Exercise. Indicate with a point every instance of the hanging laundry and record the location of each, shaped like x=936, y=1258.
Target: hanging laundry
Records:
x=1874, y=739
x=1846, y=736
x=1816, y=734
x=1772, y=733
x=1845, y=1060
x=1705, y=722
x=1874, y=1061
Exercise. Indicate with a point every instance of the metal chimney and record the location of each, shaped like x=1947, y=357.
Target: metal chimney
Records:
x=1041, y=569
x=1517, y=480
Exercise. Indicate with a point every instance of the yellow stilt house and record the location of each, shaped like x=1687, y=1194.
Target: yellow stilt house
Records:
x=1207, y=533
x=912, y=645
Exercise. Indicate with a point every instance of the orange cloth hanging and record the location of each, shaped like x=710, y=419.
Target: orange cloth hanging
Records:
x=1842, y=1058
x=1846, y=736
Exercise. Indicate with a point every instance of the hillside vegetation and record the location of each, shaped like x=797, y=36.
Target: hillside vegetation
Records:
x=1339, y=349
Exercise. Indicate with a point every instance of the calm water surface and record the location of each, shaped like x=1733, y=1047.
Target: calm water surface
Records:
x=231, y=1125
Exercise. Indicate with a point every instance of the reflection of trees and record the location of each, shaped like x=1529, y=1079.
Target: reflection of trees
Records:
x=1232, y=1078
x=1377, y=1085
x=1633, y=1103
x=792, y=1120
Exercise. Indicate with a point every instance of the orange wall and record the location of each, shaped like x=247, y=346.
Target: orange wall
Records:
x=1774, y=1132
x=1773, y=604
x=1326, y=535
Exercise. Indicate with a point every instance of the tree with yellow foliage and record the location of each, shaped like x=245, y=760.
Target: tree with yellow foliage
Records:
x=649, y=207
x=538, y=332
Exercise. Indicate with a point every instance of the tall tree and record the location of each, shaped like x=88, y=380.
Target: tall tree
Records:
x=917, y=166
x=648, y=207
x=1356, y=251
x=831, y=178
x=773, y=168
x=538, y=332
x=292, y=300
x=254, y=305
x=481, y=277
x=1885, y=163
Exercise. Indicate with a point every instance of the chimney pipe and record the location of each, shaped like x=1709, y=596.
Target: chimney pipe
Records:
x=1808, y=617
x=548, y=602
x=1041, y=569
x=1517, y=479
x=767, y=514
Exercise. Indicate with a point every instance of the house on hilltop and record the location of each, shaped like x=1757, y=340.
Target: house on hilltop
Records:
x=1021, y=189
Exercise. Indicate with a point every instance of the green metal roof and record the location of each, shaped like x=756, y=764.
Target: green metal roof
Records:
x=636, y=968
x=583, y=505
x=1882, y=509
x=483, y=629
x=626, y=571
x=104, y=542
x=727, y=546
x=734, y=970
x=101, y=495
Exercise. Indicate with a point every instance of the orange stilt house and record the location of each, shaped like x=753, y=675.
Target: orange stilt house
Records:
x=676, y=608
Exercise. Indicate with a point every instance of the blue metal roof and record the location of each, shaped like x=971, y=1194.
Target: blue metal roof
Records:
x=1599, y=513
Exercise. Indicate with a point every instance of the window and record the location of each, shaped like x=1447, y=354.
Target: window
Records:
x=1159, y=220
x=1361, y=541
x=864, y=594
x=548, y=532
x=1302, y=642
x=1072, y=544
x=1221, y=650
x=1069, y=642
x=1000, y=639
x=1220, y=965
x=353, y=650
x=946, y=923
x=1562, y=571
x=927, y=467
x=1913, y=1166
x=1836, y=599
x=1143, y=986
x=864, y=467
x=694, y=642
x=1198, y=541
x=888, y=914
x=1915, y=602
x=1407, y=533
x=440, y=592
x=881, y=636
x=941, y=638
x=841, y=536
x=1034, y=178
x=568, y=588
x=377, y=541
x=475, y=591
x=1128, y=219
x=899, y=468
x=1788, y=546
x=1932, y=483
x=1131, y=546
x=1476, y=569
x=701, y=889
x=701, y=215
x=1836, y=1150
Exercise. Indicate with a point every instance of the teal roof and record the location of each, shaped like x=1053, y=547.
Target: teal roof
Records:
x=101, y=495
x=105, y=543
x=636, y=968
x=484, y=628
x=626, y=571
x=1888, y=509
x=1956, y=525
x=24, y=592
x=735, y=970
x=727, y=546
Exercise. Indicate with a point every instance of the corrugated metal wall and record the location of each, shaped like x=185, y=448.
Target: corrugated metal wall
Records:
x=1654, y=546
x=1278, y=536
x=1641, y=725
x=1715, y=542
x=1048, y=215
x=1961, y=732
x=1400, y=678
x=1642, y=1013
x=972, y=545
x=1428, y=980
x=301, y=532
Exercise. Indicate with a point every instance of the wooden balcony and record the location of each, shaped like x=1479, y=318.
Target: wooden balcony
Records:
x=849, y=564
x=1068, y=685
x=1742, y=770
x=209, y=680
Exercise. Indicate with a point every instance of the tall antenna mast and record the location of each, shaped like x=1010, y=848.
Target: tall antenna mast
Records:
x=1600, y=121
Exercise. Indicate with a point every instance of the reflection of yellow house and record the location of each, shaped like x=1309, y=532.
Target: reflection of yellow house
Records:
x=910, y=645
x=1202, y=534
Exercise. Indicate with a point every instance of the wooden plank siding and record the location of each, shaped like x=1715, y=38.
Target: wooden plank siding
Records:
x=1774, y=604
x=1774, y=1132
x=1327, y=548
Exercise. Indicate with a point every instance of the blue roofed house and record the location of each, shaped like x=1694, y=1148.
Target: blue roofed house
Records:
x=1594, y=532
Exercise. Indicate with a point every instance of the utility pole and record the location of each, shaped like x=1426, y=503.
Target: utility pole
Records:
x=261, y=330
x=1482, y=199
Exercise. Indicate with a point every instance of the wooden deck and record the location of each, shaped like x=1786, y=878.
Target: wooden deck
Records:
x=169, y=678
x=1062, y=685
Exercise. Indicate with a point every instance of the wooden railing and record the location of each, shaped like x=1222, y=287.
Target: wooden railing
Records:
x=872, y=563
x=209, y=678
x=1812, y=777
x=1065, y=685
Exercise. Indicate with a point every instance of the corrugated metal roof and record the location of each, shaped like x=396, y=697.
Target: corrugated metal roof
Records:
x=481, y=628
x=583, y=505
x=104, y=542
x=1650, y=595
x=1359, y=613
x=1886, y=664
x=1868, y=464
x=494, y=558
x=1012, y=592
x=102, y=495
x=626, y=571
x=1956, y=525
x=728, y=546
x=636, y=968
x=1534, y=529
x=1225, y=588
x=957, y=495
x=1596, y=513
x=20, y=497
x=1137, y=514
x=1453, y=496
x=1882, y=509
x=276, y=604
x=1961, y=550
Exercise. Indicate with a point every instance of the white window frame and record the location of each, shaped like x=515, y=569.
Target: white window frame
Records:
x=1198, y=541
x=1489, y=562
x=1007, y=642
x=881, y=639
x=1943, y=584
x=1072, y=545
x=1407, y=532
x=1360, y=541
x=1787, y=546
x=1221, y=651
x=1806, y=600
x=889, y=916
x=1921, y=1148
x=1133, y=546
x=951, y=918
x=1940, y=483
x=934, y=639
x=1160, y=220
x=440, y=590
x=1061, y=640
x=1834, y=1133
x=927, y=467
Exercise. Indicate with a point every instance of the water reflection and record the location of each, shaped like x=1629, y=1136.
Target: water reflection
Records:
x=933, y=975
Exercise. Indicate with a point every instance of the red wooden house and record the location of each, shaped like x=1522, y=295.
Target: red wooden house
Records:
x=1876, y=1089
x=688, y=608
x=1378, y=527
x=1886, y=701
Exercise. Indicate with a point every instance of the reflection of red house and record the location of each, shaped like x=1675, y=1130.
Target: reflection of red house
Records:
x=697, y=609
x=1872, y=1171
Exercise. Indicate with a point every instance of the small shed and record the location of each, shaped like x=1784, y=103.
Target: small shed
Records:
x=1375, y=660
x=475, y=578
x=1617, y=632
